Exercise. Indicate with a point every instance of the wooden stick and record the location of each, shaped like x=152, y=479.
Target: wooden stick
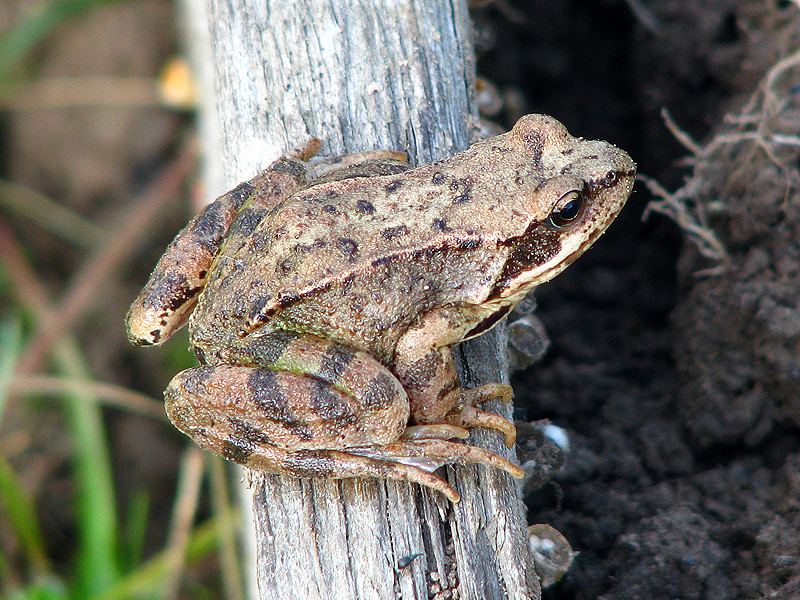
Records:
x=361, y=75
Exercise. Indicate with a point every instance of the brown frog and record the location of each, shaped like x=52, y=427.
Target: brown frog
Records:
x=325, y=298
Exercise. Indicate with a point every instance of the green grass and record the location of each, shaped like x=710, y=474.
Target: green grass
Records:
x=106, y=557
x=101, y=568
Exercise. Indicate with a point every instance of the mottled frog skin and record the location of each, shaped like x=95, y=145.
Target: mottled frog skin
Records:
x=325, y=297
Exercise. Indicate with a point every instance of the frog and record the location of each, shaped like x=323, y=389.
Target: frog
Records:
x=325, y=295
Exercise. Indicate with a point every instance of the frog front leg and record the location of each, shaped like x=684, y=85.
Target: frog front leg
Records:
x=164, y=304
x=431, y=380
x=320, y=410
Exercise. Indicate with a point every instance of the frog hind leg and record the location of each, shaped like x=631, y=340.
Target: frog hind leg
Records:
x=243, y=414
x=468, y=416
x=335, y=464
x=321, y=409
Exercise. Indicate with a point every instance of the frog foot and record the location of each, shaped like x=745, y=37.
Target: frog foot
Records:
x=369, y=462
x=428, y=454
x=412, y=461
x=465, y=415
x=351, y=424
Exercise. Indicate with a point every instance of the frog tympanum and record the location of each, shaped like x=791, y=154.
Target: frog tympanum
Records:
x=326, y=294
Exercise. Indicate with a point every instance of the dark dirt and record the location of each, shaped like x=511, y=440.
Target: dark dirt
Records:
x=680, y=392
x=676, y=374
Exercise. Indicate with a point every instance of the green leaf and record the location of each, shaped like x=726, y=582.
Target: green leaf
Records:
x=148, y=578
x=45, y=588
x=95, y=501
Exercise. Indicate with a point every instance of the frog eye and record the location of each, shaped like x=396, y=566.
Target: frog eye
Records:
x=568, y=208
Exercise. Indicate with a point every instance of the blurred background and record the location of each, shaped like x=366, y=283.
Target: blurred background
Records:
x=684, y=462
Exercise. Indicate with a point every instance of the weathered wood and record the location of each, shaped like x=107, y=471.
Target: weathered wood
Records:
x=397, y=74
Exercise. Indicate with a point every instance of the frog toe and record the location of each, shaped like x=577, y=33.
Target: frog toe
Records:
x=336, y=464
x=469, y=417
x=438, y=431
x=430, y=454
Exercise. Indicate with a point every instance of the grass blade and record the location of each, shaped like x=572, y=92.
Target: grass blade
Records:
x=97, y=568
x=11, y=346
x=135, y=531
x=149, y=578
x=21, y=517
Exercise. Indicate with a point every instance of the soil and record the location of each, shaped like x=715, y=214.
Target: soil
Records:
x=674, y=364
x=675, y=370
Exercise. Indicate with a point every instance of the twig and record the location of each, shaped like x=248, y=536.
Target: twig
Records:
x=67, y=92
x=95, y=496
x=231, y=568
x=754, y=124
x=112, y=395
x=645, y=16
x=25, y=201
x=684, y=138
x=23, y=279
x=191, y=476
x=676, y=207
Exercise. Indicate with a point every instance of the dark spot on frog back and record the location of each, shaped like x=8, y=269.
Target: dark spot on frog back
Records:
x=173, y=286
x=288, y=265
x=267, y=395
x=329, y=407
x=293, y=167
x=349, y=247
x=238, y=195
x=316, y=245
x=210, y=225
x=393, y=232
x=383, y=261
x=272, y=404
x=535, y=144
x=381, y=393
x=468, y=243
x=266, y=350
x=441, y=225
x=464, y=196
x=393, y=186
x=237, y=449
x=335, y=362
x=245, y=437
x=463, y=187
x=365, y=207
x=247, y=221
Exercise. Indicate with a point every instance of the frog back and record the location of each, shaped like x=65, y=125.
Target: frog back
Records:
x=360, y=260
